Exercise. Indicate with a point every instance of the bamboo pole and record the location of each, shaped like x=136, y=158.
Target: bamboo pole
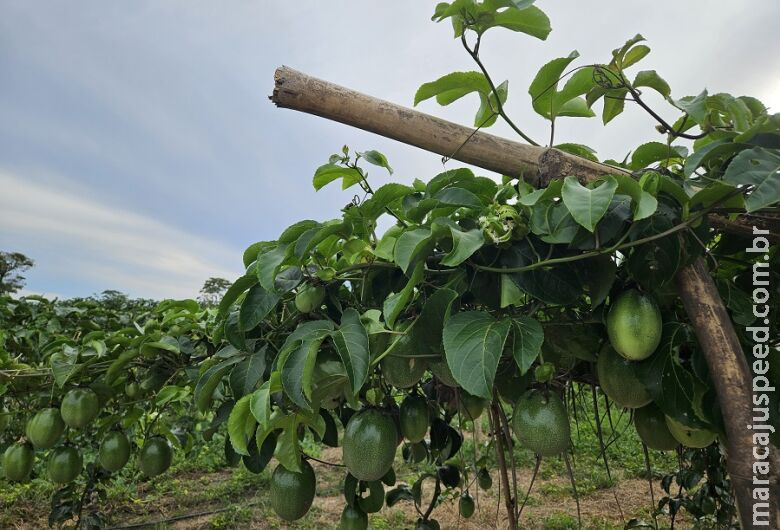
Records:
x=539, y=165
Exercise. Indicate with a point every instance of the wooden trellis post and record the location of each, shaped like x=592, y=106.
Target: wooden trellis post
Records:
x=538, y=165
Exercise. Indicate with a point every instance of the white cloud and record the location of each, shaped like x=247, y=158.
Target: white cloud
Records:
x=97, y=244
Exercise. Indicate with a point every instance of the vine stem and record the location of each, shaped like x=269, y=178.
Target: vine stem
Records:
x=474, y=53
x=620, y=245
x=499, y=437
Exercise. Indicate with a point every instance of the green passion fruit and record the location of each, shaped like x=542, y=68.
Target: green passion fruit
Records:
x=471, y=407
x=309, y=298
x=155, y=457
x=650, y=424
x=353, y=519
x=114, y=451
x=45, y=428
x=634, y=325
x=292, y=492
x=65, y=465
x=414, y=418
x=695, y=438
x=618, y=380
x=370, y=439
x=79, y=407
x=18, y=461
x=541, y=424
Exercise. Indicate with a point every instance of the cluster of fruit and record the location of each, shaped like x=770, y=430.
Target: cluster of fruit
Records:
x=79, y=408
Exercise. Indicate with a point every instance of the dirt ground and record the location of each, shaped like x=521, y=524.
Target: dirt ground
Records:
x=551, y=506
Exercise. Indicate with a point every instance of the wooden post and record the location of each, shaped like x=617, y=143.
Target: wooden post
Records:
x=539, y=165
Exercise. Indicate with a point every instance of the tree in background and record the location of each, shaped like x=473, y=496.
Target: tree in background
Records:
x=212, y=291
x=12, y=264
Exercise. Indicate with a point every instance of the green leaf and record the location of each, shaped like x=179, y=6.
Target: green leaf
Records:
x=297, y=368
x=376, y=158
x=455, y=196
x=554, y=285
x=425, y=334
x=246, y=374
x=634, y=55
x=760, y=168
x=411, y=246
x=716, y=151
x=452, y=87
x=63, y=367
x=487, y=114
x=695, y=107
x=287, y=446
x=588, y=206
x=529, y=20
x=582, y=151
x=234, y=291
x=395, y=303
x=553, y=222
x=614, y=103
x=643, y=204
x=525, y=341
x=204, y=389
x=473, y=342
x=327, y=173
x=674, y=389
x=547, y=101
x=256, y=306
x=239, y=422
x=294, y=231
x=260, y=405
x=117, y=367
x=268, y=265
x=654, y=265
x=253, y=250
x=351, y=342
x=313, y=237
x=382, y=198
x=651, y=152
x=511, y=294
x=464, y=242
x=651, y=79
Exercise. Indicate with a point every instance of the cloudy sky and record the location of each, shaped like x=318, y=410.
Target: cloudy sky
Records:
x=139, y=152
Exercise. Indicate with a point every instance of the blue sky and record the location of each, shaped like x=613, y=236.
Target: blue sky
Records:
x=139, y=152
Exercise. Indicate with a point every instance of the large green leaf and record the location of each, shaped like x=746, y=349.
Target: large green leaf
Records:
x=549, y=102
x=411, y=246
x=395, y=303
x=760, y=168
x=553, y=222
x=588, y=206
x=327, y=173
x=297, y=369
x=452, y=87
x=643, y=204
x=554, y=285
x=268, y=264
x=246, y=374
x=204, y=389
x=425, y=334
x=256, y=306
x=675, y=390
x=652, y=152
x=234, y=291
x=351, y=342
x=651, y=79
x=241, y=425
x=376, y=158
x=473, y=342
x=464, y=242
x=382, y=198
x=529, y=20
x=525, y=341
